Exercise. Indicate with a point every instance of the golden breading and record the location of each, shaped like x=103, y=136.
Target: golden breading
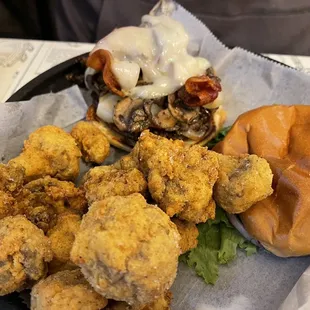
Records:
x=162, y=303
x=11, y=178
x=130, y=161
x=127, y=162
x=8, y=205
x=104, y=181
x=44, y=217
x=43, y=199
x=127, y=249
x=62, y=236
x=180, y=177
x=150, y=145
x=92, y=142
x=242, y=182
x=11, y=182
x=24, y=254
x=66, y=290
x=50, y=151
x=188, y=232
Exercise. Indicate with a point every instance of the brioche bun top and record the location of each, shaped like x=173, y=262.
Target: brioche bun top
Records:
x=281, y=135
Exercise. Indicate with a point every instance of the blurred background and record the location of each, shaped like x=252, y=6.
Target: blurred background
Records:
x=262, y=26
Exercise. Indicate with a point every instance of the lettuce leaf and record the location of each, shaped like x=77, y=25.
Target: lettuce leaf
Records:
x=220, y=136
x=230, y=241
x=218, y=242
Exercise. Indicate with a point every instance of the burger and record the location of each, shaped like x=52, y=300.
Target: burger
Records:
x=280, y=223
x=145, y=78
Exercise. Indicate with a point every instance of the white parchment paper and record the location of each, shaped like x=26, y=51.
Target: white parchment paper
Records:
x=261, y=281
x=248, y=80
x=18, y=119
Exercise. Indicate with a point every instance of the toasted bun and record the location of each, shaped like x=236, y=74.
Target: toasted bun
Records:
x=114, y=137
x=280, y=134
x=119, y=141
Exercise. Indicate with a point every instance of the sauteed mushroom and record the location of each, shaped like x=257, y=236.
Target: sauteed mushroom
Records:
x=181, y=112
x=130, y=116
x=159, y=116
x=165, y=120
x=201, y=127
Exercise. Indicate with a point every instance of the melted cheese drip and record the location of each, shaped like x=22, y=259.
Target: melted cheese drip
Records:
x=159, y=50
x=106, y=105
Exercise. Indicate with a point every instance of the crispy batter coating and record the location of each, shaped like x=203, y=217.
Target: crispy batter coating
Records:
x=92, y=142
x=50, y=151
x=127, y=249
x=44, y=217
x=148, y=146
x=8, y=205
x=63, y=194
x=131, y=160
x=66, y=290
x=188, y=232
x=43, y=199
x=162, y=303
x=127, y=162
x=104, y=181
x=62, y=236
x=11, y=182
x=242, y=182
x=24, y=254
x=180, y=177
x=11, y=178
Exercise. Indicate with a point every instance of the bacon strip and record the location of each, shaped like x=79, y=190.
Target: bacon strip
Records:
x=200, y=90
x=101, y=60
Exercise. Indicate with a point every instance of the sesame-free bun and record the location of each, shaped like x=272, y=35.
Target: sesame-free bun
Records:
x=280, y=134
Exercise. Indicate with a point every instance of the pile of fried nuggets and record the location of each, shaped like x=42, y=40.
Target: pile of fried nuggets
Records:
x=114, y=241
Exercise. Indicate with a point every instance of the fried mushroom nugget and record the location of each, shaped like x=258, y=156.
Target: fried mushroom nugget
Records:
x=62, y=236
x=104, y=181
x=43, y=199
x=24, y=254
x=180, y=177
x=11, y=182
x=126, y=162
x=242, y=182
x=92, y=142
x=130, y=161
x=66, y=290
x=8, y=205
x=188, y=232
x=50, y=151
x=11, y=178
x=127, y=249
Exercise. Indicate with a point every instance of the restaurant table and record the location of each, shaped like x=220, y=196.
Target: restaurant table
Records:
x=23, y=60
